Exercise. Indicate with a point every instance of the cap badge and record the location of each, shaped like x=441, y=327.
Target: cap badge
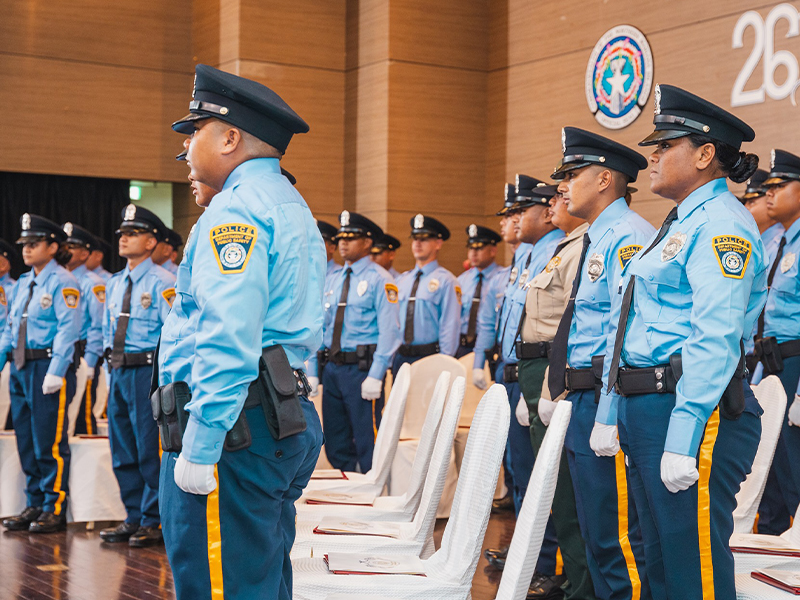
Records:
x=130, y=213
x=563, y=141
x=596, y=267
x=673, y=246
x=68, y=229
x=362, y=287
x=473, y=230
x=419, y=222
x=26, y=221
x=344, y=219
x=658, y=99
x=771, y=161
x=194, y=86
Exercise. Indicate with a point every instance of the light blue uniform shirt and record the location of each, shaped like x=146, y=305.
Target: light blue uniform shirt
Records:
x=371, y=315
x=394, y=273
x=782, y=312
x=104, y=275
x=54, y=316
x=616, y=235
x=331, y=270
x=171, y=267
x=93, y=298
x=698, y=293
x=7, y=288
x=468, y=281
x=771, y=238
x=437, y=309
x=252, y=277
x=151, y=297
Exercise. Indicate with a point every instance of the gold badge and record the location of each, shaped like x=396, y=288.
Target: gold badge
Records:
x=673, y=246
x=788, y=261
x=595, y=267
x=99, y=292
x=71, y=296
x=362, y=287
x=458, y=293
x=169, y=295
x=554, y=262
x=512, y=276
x=46, y=301
x=433, y=285
x=146, y=300
x=391, y=293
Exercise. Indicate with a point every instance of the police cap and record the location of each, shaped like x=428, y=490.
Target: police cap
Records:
x=755, y=186
x=479, y=236
x=36, y=229
x=7, y=250
x=327, y=230
x=509, y=197
x=353, y=225
x=532, y=192
x=174, y=239
x=582, y=148
x=139, y=219
x=243, y=103
x=385, y=242
x=784, y=166
x=79, y=236
x=423, y=227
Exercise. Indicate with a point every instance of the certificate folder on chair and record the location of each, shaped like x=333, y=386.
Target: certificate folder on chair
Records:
x=337, y=526
x=788, y=581
x=341, y=563
x=763, y=544
x=354, y=499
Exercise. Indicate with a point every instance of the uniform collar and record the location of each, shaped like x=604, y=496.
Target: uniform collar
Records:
x=772, y=231
x=45, y=273
x=427, y=269
x=138, y=272
x=555, y=233
x=6, y=277
x=80, y=271
x=361, y=264
x=249, y=167
x=488, y=270
x=712, y=189
x=606, y=219
x=576, y=233
x=791, y=233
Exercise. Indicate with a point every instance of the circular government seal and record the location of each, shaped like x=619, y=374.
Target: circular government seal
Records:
x=733, y=262
x=232, y=255
x=619, y=77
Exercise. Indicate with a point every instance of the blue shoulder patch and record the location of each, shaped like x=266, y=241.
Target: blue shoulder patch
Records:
x=733, y=254
x=233, y=244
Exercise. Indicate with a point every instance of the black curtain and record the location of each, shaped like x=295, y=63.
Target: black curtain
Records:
x=92, y=202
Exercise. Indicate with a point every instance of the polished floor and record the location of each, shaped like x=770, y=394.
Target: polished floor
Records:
x=76, y=566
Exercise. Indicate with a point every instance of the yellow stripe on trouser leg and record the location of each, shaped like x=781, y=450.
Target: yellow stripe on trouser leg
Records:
x=62, y=404
x=559, y=562
x=374, y=423
x=622, y=520
x=88, y=410
x=214, y=540
x=704, y=505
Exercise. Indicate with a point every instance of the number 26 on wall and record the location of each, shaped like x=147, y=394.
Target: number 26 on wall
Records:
x=764, y=48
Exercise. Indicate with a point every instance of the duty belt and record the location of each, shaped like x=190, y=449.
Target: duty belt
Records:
x=362, y=354
x=532, y=349
x=419, y=350
x=510, y=373
x=137, y=359
x=581, y=379
x=466, y=341
x=648, y=380
x=33, y=354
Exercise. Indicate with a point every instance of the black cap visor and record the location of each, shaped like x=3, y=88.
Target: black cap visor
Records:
x=665, y=134
x=31, y=237
x=186, y=124
x=565, y=167
x=779, y=178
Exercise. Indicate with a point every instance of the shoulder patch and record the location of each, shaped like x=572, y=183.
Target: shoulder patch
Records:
x=458, y=293
x=3, y=299
x=733, y=254
x=232, y=244
x=99, y=292
x=71, y=297
x=626, y=253
x=169, y=296
x=391, y=293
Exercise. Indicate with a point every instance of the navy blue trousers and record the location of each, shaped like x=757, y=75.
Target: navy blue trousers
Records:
x=85, y=422
x=782, y=492
x=236, y=541
x=686, y=535
x=40, y=424
x=133, y=434
x=399, y=361
x=350, y=422
x=606, y=513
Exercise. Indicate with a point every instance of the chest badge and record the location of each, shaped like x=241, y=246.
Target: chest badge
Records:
x=433, y=285
x=595, y=267
x=46, y=301
x=673, y=246
x=787, y=262
x=513, y=276
x=362, y=287
x=554, y=262
x=523, y=278
x=146, y=300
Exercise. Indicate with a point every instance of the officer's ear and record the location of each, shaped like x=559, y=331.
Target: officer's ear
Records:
x=150, y=242
x=438, y=244
x=231, y=139
x=605, y=180
x=704, y=156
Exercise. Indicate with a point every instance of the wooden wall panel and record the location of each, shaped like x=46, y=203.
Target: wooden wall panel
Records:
x=205, y=31
x=367, y=32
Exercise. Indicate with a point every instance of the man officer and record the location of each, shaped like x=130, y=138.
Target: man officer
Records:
x=430, y=302
x=90, y=346
x=481, y=253
x=328, y=233
x=7, y=283
x=384, y=251
x=95, y=261
x=248, y=314
x=167, y=251
x=361, y=333
x=138, y=299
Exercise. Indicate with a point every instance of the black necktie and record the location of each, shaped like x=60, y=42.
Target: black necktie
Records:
x=627, y=300
x=338, y=323
x=556, y=379
x=118, y=350
x=22, y=336
x=473, y=311
x=770, y=277
x=408, y=337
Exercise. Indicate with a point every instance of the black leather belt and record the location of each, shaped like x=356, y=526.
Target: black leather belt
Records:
x=303, y=389
x=648, y=380
x=419, y=350
x=362, y=354
x=34, y=353
x=790, y=348
x=510, y=373
x=466, y=342
x=581, y=379
x=532, y=349
x=137, y=359
x=344, y=358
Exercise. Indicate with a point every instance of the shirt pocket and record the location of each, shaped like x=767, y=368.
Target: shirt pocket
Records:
x=547, y=303
x=669, y=291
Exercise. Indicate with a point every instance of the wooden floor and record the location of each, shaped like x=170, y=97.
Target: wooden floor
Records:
x=76, y=566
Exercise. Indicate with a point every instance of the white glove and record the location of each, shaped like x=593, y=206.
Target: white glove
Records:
x=794, y=412
x=89, y=374
x=194, y=478
x=313, y=383
x=522, y=414
x=604, y=440
x=479, y=379
x=51, y=384
x=371, y=388
x=546, y=410
x=678, y=472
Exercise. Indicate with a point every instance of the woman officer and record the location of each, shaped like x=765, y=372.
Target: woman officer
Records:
x=39, y=340
x=688, y=422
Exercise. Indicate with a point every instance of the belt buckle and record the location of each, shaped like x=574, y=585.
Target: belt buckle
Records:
x=660, y=374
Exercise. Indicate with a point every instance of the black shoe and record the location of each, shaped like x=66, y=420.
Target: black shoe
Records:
x=497, y=562
x=120, y=533
x=146, y=536
x=504, y=504
x=49, y=522
x=496, y=557
x=23, y=520
x=546, y=587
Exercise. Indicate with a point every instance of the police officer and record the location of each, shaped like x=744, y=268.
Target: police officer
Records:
x=594, y=174
x=384, y=250
x=328, y=232
x=251, y=279
x=688, y=422
x=777, y=341
x=93, y=297
x=7, y=284
x=361, y=333
x=138, y=299
x=430, y=298
x=95, y=261
x=481, y=253
x=167, y=251
x=39, y=340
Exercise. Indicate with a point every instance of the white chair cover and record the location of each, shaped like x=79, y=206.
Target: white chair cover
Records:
x=385, y=445
x=473, y=395
x=748, y=588
x=532, y=520
x=5, y=398
x=424, y=375
x=402, y=506
x=12, y=479
x=451, y=568
x=415, y=537
x=772, y=398
x=745, y=563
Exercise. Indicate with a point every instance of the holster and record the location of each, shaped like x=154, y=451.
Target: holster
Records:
x=364, y=354
x=168, y=404
x=276, y=390
x=731, y=405
x=78, y=352
x=768, y=352
x=322, y=360
x=597, y=371
x=492, y=357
